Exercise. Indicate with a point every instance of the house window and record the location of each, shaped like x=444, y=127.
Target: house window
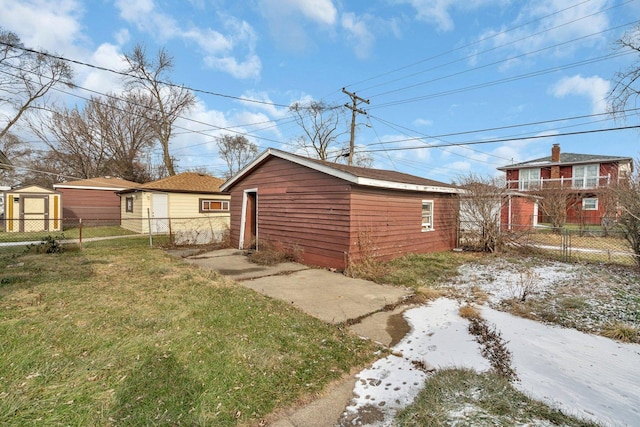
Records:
x=427, y=215
x=585, y=176
x=590, y=204
x=128, y=204
x=529, y=178
x=211, y=205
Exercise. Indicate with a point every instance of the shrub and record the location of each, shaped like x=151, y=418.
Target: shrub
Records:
x=48, y=245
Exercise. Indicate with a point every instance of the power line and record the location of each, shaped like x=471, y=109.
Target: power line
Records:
x=124, y=74
x=482, y=40
x=492, y=141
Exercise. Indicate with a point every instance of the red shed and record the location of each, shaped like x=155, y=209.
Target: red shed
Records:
x=93, y=199
x=333, y=213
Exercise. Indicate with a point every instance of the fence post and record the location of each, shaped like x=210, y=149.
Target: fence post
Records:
x=149, y=221
x=80, y=233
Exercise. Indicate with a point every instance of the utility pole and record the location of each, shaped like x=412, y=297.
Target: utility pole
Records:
x=354, y=109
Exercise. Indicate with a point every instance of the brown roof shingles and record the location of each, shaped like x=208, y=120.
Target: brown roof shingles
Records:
x=188, y=182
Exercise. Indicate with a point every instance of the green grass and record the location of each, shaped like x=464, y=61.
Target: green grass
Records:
x=421, y=270
x=464, y=397
x=128, y=336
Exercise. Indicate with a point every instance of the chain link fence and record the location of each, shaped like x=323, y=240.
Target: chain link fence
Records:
x=569, y=243
x=158, y=231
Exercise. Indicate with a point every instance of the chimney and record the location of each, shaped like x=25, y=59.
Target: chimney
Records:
x=555, y=158
x=555, y=153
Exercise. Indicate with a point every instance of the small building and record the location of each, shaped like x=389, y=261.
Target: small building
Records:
x=93, y=200
x=331, y=214
x=189, y=206
x=32, y=209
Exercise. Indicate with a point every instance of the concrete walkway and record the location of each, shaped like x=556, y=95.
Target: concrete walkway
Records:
x=331, y=297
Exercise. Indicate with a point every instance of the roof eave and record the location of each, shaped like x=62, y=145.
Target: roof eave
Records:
x=549, y=164
x=346, y=176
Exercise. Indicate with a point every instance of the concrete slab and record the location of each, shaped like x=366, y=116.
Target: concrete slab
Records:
x=386, y=328
x=234, y=264
x=323, y=412
x=331, y=297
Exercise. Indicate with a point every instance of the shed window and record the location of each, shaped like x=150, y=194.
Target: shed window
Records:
x=427, y=215
x=129, y=204
x=211, y=205
x=590, y=204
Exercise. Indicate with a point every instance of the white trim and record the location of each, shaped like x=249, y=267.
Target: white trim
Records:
x=243, y=217
x=349, y=177
x=433, y=208
x=590, y=209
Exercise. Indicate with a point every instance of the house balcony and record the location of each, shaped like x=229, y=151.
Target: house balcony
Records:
x=578, y=184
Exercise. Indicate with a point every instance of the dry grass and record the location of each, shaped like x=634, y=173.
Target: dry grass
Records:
x=621, y=332
x=469, y=312
x=272, y=253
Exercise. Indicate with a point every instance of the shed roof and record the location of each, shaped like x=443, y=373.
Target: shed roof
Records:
x=186, y=182
x=99, y=183
x=357, y=175
x=567, y=159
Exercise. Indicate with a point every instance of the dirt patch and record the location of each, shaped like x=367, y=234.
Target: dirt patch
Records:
x=364, y=416
x=397, y=328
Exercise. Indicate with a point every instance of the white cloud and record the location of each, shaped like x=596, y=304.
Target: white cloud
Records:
x=422, y=122
x=553, y=25
x=108, y=56
x=54, y=26
x=438, y=12
x=288, y=20
x=319, y=11
x=594, y=88
x=359, y=33
x=220, y=51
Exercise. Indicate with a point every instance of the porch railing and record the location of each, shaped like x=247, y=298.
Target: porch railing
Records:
x=577, y=183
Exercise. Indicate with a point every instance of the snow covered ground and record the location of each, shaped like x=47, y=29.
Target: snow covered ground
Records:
x=584, y=375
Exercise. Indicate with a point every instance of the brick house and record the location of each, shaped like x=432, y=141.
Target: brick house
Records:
x=585, y=179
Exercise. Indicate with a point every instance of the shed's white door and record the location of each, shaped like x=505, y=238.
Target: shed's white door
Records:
x=160, y=213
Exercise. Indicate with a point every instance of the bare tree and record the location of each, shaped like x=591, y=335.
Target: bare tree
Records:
x=626, y=89
x=13, y=147
x=236, y=151
x=480, y=210
x=321, y=125
x=108, y=137
x=150, y=76
x=25, y=79
x=555, y=201
x=627, y=193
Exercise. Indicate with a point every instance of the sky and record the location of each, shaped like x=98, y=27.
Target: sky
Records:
x=443, y=77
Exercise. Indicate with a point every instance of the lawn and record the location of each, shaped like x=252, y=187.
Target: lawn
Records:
x=597, y=299
x=127, y=335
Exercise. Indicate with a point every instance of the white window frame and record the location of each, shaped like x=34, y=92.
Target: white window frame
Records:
x=428, y=225
x=585, y=176
x=224, y=204
x=529, y=182
x=587, y=200
x=128, y=201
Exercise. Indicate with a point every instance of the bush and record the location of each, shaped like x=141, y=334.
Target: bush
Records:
x=48, y=245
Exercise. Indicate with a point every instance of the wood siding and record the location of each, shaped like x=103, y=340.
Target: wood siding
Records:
x=389, y=223
x=325, y=218
x=297, y=208
x=89, y=204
